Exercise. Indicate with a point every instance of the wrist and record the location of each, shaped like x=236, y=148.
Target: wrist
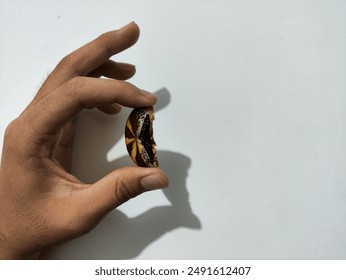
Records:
x=7, y=255
x=10, y=254
x=5, y=251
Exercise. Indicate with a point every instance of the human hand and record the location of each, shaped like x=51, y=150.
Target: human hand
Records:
x=41, y=203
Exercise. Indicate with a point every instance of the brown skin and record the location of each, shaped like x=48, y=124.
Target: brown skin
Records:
x=41, y=203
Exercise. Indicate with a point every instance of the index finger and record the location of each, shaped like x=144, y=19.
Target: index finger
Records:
x=90, y=56
x=55, y=110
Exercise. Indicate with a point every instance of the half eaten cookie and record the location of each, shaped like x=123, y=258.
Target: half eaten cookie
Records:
x=139, y=139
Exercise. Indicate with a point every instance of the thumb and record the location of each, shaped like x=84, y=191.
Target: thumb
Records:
x=121, y=185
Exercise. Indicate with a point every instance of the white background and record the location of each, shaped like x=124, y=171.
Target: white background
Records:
x=250, y=122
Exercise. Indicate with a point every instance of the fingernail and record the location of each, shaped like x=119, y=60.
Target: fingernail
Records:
x=129, y=68
x=128, y=65
x=125, y=26
x=153, y=182
x=148, y=95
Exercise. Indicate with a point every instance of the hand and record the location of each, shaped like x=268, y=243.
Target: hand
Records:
x=41, y=203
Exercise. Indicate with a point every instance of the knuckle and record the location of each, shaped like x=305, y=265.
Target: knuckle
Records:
x=19, y=138
x=70, y=62
x=75, y=86
x=12, y=134
x=103, y=40
x=11, y=128
x=66, y=61
x=124, y=191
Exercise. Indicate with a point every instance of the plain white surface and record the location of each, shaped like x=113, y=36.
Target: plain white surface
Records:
x=251, y=122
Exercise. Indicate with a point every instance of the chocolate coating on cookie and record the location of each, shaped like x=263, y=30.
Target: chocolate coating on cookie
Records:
x=139, y=139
